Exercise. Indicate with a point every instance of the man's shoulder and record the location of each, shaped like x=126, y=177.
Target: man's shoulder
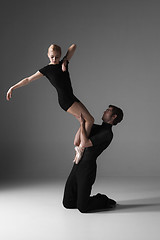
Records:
x=101, y=136
x=95, y=127
x=101, y=127
x=102, y=131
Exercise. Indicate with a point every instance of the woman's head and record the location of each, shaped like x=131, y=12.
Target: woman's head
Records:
x=54, y=53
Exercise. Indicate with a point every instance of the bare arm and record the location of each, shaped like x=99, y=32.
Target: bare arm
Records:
x=28, y=80
x=68, y=56
x=70, y=52
x=22, y=83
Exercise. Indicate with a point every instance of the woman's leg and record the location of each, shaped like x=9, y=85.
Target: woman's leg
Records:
x=76, y=110
x=77, y=139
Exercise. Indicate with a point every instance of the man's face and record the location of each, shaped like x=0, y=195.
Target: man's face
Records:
x=107, y=115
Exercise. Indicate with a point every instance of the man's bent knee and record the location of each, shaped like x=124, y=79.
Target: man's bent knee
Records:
x=69, y=205
x=82, y=208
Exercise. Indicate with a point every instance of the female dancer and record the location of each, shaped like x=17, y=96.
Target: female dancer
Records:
x=57, y=73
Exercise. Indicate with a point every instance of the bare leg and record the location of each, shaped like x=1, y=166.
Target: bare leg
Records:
x=77, y=109
x=77, y=139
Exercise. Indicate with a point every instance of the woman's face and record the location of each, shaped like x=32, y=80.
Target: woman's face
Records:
x=54, y=57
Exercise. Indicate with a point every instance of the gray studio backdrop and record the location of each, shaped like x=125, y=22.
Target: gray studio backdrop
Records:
x=117, y=61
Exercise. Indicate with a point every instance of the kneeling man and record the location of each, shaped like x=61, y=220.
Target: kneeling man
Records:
x=83, y=174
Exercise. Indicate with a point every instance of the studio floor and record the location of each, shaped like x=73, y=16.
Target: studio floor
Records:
x=34, y=211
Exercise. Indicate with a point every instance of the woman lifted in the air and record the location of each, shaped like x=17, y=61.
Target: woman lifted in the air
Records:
x=57, y=73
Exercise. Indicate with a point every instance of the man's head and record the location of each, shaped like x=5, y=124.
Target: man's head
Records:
x=113, y=115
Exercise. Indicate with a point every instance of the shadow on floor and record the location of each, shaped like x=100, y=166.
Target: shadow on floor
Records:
x=136, y=205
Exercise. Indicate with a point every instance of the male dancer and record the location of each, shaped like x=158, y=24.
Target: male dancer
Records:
x=82, y=177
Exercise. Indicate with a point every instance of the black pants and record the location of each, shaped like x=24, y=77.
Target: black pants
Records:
x=78, y=188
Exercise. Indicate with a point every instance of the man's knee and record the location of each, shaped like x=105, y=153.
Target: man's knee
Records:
x=82, y=208
x=64, y=204
x=68, y=205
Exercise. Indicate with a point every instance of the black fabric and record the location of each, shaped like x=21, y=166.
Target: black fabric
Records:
x=100, y=136
x=61, y=81
x=79, y=183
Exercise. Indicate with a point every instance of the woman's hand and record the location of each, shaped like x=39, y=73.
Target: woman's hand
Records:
x=9, y=94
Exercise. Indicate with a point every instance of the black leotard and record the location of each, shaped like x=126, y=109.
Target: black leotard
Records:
x=61, y=81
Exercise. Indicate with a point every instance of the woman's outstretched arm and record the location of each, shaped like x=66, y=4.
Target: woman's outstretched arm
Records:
x=22, y=83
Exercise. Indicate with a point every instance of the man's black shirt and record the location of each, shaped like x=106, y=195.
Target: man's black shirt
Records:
x=100, y=136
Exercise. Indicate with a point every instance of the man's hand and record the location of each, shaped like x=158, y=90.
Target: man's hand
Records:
x=82, y=120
